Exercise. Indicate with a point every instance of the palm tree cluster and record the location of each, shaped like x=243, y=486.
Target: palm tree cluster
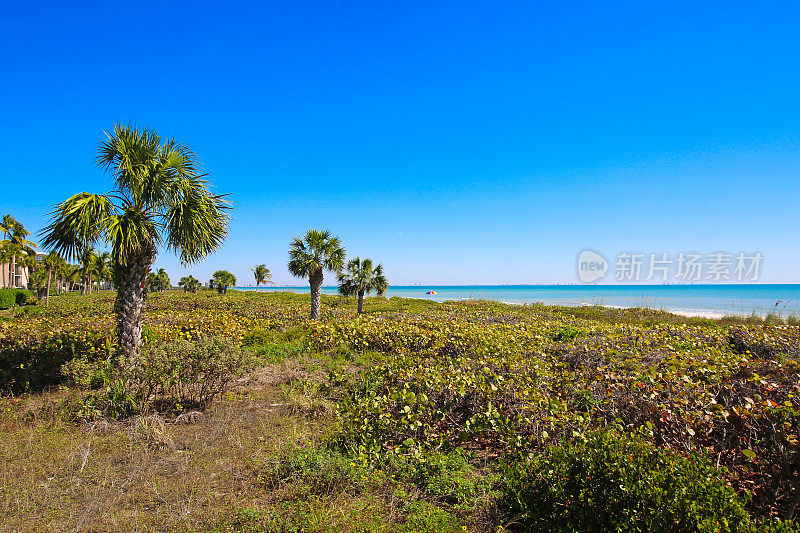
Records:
x=221, y=280
x=317, y=251
x=160, y=196
x=95, y=268
x=157, y=281
x=14, y=247
x=189, y=284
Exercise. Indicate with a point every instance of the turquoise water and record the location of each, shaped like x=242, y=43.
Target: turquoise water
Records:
x=701, y=300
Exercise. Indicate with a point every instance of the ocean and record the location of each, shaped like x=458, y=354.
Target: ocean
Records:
x=693, y=300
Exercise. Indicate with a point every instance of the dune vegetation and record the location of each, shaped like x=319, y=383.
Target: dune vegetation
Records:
x=242, y=414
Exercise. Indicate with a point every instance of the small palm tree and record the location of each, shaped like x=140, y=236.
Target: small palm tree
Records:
x=360, y=278
x=262, y=275
x=160, y=197
x=309, y=256
x=222, y=280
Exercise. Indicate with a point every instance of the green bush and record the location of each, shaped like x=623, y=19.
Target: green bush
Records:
x=186, y=373
x=22, y=296
x=566, y=334
x=11, y=297
x=612, y=482
x=7, y=298
x=166, y=377
x=28, y=363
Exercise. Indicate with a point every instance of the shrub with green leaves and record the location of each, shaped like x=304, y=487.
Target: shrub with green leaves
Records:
x=613, y=482
x=167, y=376
x=11, y=297
x=186, y=373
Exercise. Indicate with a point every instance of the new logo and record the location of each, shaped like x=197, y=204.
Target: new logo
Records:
x=591, y=266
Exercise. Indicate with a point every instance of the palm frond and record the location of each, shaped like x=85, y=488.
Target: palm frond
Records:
x=197, y=225
x=130, y=232
x=78, y=222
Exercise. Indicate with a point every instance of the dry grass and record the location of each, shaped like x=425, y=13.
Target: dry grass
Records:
x=147, y=473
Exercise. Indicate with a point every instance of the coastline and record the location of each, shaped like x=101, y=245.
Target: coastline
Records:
x=477, y=296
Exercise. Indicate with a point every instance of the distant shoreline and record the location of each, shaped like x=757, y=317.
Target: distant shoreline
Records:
x=706, y=301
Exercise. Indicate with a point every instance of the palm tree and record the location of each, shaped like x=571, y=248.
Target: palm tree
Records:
x=52, y=262
x=15, y=245
x=262, y=275
x=7, y=251
x=316, y=252
x=222, y=280
x=102, y=269
x=72, y=273
x=189, y=283
x=86, y=259
x=160, y=197
x=360, y=278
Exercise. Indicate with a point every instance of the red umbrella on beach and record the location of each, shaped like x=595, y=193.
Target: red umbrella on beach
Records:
x=431, y=292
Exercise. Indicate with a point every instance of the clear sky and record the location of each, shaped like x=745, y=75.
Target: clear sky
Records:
x=458, y=142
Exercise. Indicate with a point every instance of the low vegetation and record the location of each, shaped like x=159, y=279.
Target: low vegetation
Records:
x=242, y=414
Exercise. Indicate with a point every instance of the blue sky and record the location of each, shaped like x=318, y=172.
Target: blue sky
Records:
x=455, y=143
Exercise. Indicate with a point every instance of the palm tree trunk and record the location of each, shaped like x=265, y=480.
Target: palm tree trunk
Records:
x=47, y=296
x=129, y=303
x=315, y=280
x=360, y=301
x=13, y=275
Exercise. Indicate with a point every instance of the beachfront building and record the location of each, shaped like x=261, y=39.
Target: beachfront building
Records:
x=21, y=275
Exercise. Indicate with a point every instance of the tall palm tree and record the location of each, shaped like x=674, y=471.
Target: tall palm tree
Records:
x=86, y=260
x=16, y=245
x=262, y=275
x=52, y=263
x=73, y=275
x=63, y=274
x=362, y=277
x=222, y=280
x=102, y=268
x=312, y=254
x=160, y=197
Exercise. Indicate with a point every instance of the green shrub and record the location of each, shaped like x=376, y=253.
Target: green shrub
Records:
x=21, y=298
x=11, y=297
x=425, y=517
x=446, y=478
x=7, y=298
x=612, y=482
x=566, y=334
x=28, y=363
x=165, y=377
x=773, y=319
x=185, y=373
x=257, y=337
